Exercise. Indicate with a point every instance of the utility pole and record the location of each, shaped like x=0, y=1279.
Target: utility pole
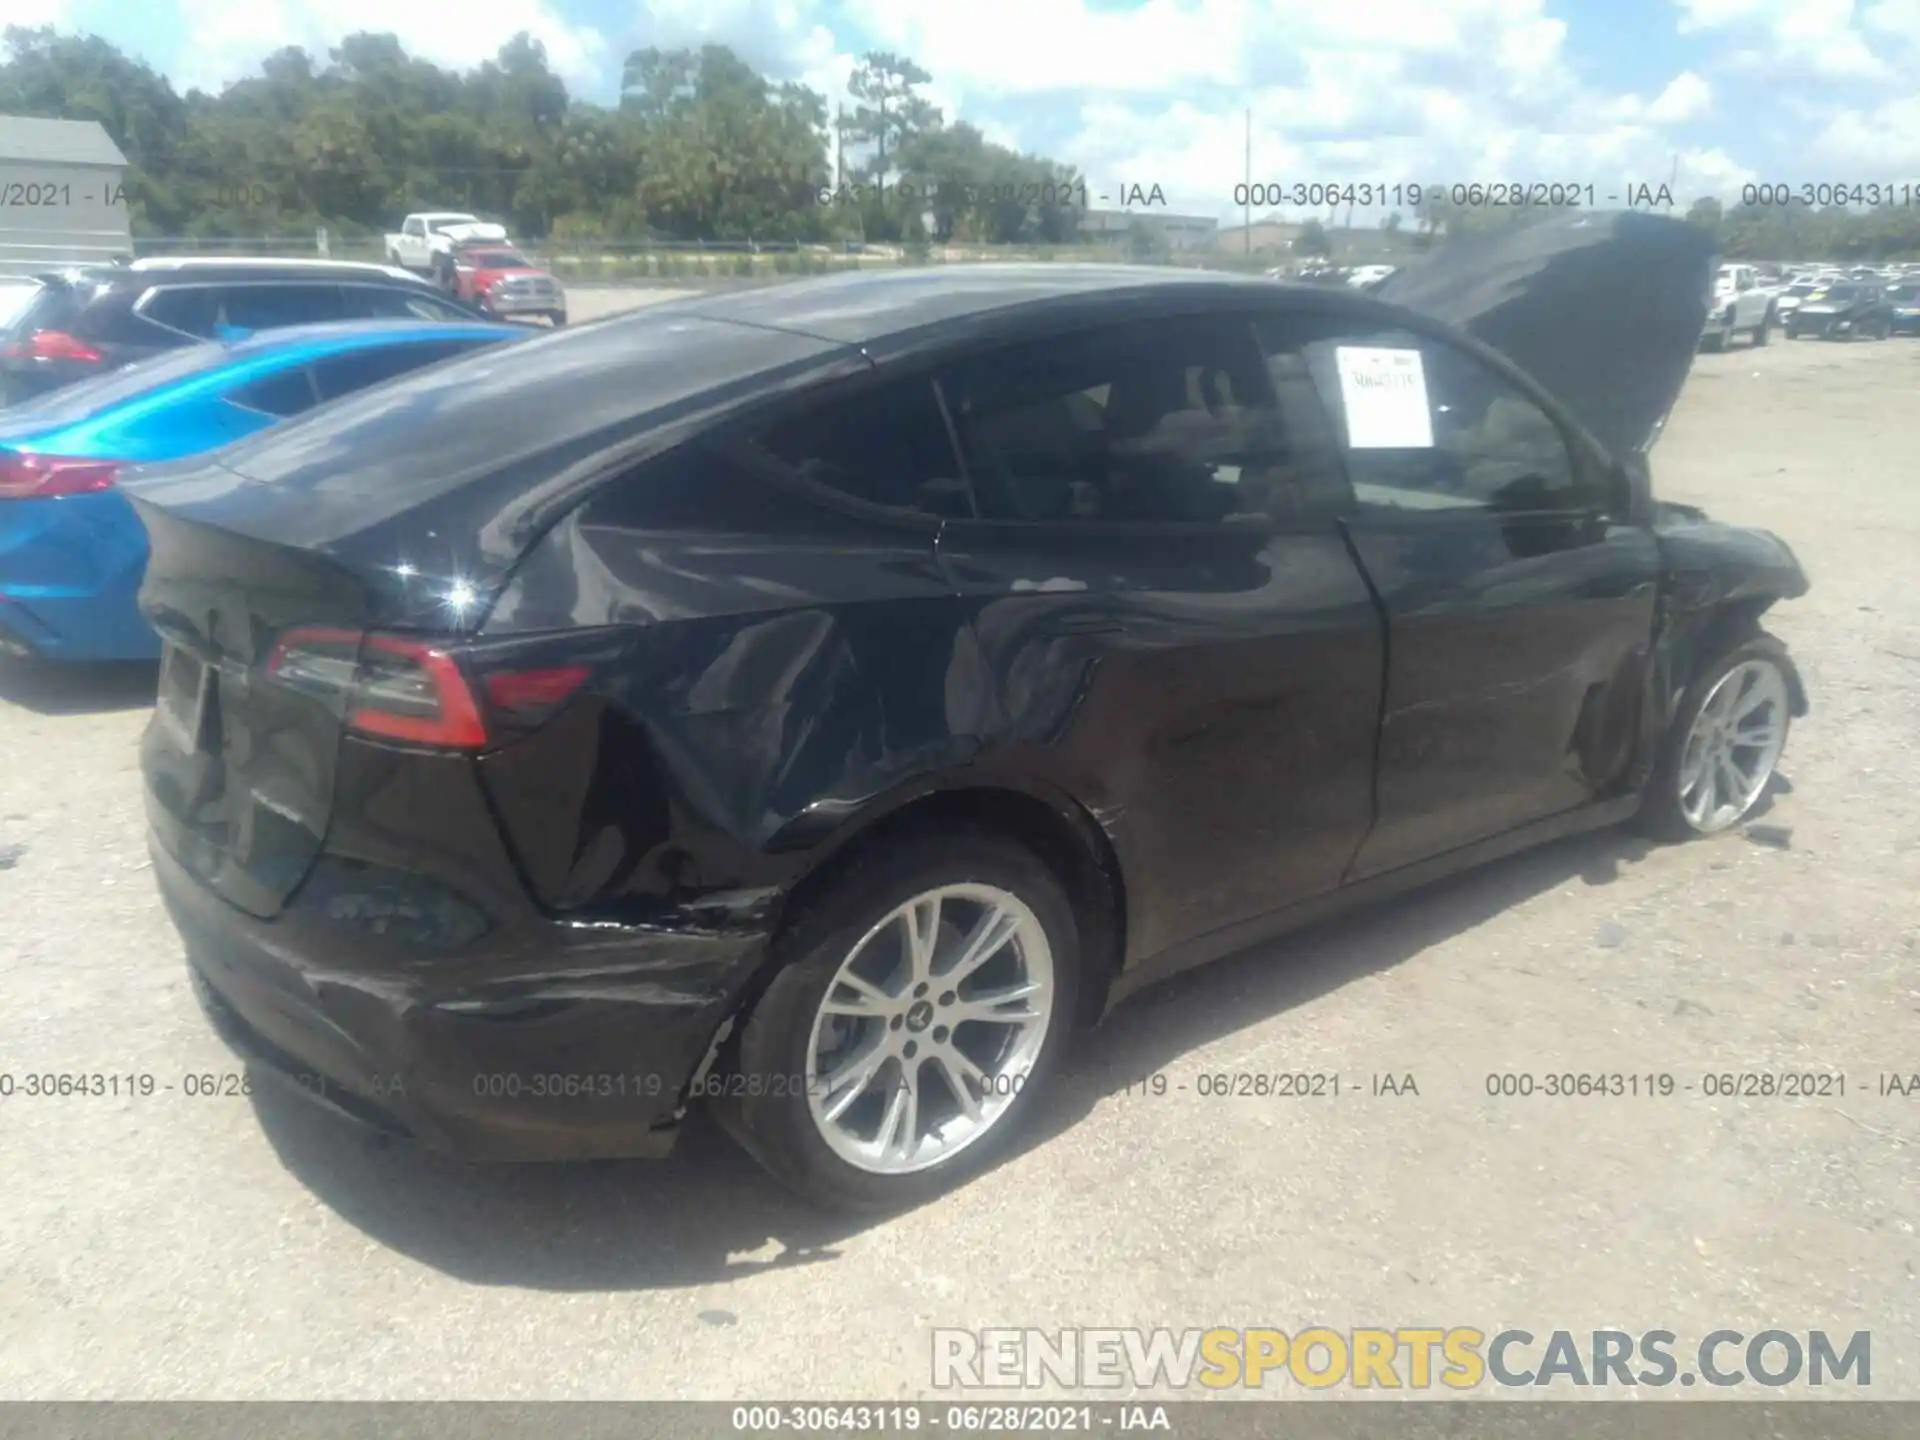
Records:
x=839, y=145
x=1246, y=213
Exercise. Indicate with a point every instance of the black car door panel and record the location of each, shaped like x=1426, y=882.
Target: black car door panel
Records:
x=1518, y=611
x=1514, y=682
x=1164, y=602
x=1222, y=687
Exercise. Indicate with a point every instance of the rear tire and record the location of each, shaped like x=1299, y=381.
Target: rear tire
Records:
x=1674, y=806
x=779, y=1084
x=1761, y=335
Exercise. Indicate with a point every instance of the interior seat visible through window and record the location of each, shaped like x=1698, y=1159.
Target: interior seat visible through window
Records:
x=1171, y=421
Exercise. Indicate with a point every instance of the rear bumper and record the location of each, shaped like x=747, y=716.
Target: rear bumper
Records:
x=1822, y=327
x=509, y=306
x=566, y=1043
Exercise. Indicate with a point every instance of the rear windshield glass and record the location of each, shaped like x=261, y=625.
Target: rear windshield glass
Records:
x=73, y=403
x=56, y=307
x=1842, y=292
x=500, y=260
x=15, y=296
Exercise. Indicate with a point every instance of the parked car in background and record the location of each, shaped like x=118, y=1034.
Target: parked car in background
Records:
x=1788, y=300
x=502, y=282
x=1904, y=298
x=71, y=551
x=426, y=241
x=86, y=322
x=1741, y=305
x=1843, y=310
x=1366, y=277
x=816, y=701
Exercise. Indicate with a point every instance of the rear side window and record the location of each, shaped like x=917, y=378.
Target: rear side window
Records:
x=888, y=447
x=190, y=311
x=273, y=307
x=374, y=302
x=1150, y=422
x=287, y=393
x=343, y=374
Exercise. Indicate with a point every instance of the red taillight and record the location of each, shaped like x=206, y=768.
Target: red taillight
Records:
x=414, y=690
x=41, y=477
x=52, y=345
x=395, y=688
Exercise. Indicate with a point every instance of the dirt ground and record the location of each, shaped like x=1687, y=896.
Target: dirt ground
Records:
x=233, y=1249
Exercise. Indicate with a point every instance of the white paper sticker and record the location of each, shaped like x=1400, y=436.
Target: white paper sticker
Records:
x=1385, y=394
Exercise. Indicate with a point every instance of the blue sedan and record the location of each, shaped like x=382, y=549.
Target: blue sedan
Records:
x=71, y=552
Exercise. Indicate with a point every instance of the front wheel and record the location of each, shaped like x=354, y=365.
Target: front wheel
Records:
x=556, y=318
x=925, y=1001
x=1725, y=744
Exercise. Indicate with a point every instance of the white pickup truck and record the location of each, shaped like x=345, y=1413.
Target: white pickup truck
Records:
x=1742, y=304
x=427, y=240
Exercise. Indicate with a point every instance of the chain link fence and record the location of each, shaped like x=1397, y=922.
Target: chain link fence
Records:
x=641, y=261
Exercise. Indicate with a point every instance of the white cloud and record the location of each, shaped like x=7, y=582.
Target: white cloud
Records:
x=1816, y=39
x=33, y=13
x=1869, y=143
x=1687, y=97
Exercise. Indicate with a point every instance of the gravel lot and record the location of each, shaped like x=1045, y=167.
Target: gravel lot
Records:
x=591, y=302
x=236, y=1249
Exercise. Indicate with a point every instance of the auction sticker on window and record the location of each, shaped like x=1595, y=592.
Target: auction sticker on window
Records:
x=1385, y=395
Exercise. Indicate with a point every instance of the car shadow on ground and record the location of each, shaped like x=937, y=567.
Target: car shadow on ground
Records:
x=50, y=688
x=707, y=1214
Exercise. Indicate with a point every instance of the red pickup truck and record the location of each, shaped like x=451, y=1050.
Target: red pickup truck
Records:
x=503, y=282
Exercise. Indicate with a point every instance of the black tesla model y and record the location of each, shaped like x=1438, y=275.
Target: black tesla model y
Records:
x=815, y=702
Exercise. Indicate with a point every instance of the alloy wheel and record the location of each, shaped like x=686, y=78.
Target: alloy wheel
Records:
x=927, y=1031
x=1733, y=746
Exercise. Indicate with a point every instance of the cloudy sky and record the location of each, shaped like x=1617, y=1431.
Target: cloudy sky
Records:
x=1610, y=92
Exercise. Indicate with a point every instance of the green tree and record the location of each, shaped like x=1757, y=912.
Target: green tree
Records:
x=891, y=111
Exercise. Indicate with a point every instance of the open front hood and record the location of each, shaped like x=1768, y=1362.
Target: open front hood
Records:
x=1604, y=310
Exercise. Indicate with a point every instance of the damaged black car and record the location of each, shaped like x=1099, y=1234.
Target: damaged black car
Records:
x=1845, y=310
x=815, y=703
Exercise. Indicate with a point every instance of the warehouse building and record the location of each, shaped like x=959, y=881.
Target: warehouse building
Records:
x=62, y=195
x=1180, y=232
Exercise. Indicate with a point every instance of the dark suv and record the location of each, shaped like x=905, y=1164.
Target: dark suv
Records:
x=92, y=319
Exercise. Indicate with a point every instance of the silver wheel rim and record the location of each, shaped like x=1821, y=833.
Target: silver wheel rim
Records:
x=1734, y=744
x=926, y=1035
